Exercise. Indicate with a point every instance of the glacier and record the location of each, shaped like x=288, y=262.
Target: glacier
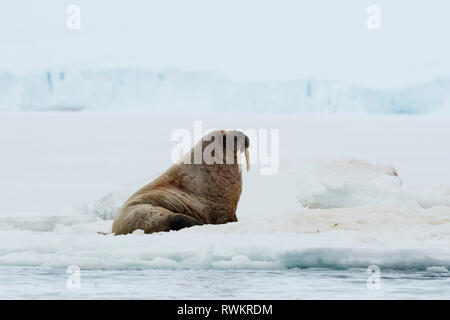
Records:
x=180, y=91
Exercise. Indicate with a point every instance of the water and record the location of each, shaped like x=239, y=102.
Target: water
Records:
x=38, y=283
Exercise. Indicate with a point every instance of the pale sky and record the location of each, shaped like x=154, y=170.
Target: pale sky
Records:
x=240, y=39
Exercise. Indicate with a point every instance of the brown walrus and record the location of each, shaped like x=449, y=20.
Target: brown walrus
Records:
x=203, y=187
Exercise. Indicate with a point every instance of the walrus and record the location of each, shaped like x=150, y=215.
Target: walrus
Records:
x=193, y=191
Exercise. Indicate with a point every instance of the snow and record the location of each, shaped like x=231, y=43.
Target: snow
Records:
x=385, y=203
x=169, y=91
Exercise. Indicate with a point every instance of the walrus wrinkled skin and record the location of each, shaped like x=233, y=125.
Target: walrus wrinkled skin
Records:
x=190, y=194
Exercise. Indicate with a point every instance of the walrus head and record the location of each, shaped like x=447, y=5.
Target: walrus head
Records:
x=239, y=143
x=222, y=147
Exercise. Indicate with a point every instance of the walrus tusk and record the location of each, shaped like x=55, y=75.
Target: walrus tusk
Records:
x=247, y=158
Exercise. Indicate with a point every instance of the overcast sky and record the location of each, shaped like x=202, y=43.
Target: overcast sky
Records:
x=241, y=39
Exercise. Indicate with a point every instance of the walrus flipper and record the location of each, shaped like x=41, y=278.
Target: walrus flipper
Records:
x=151, y=218
x=180, y=221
